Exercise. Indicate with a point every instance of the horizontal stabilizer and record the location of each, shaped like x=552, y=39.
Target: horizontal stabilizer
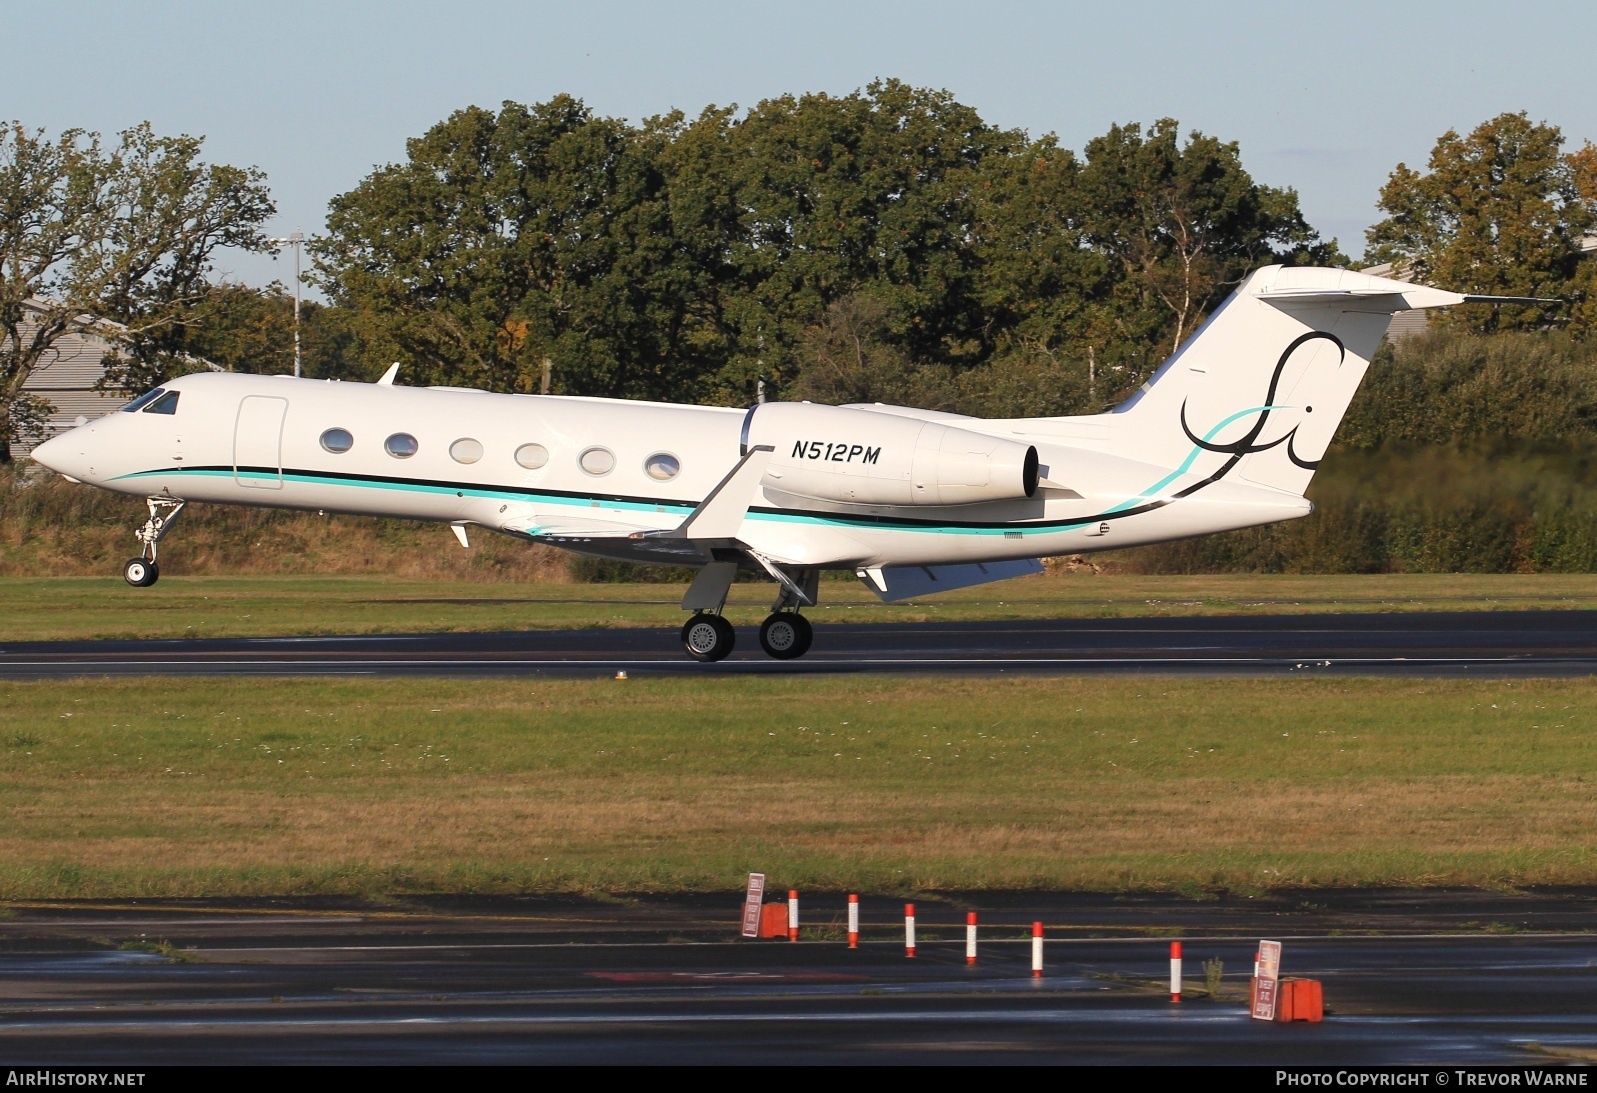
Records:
x=902, y=582
x=1470, y=299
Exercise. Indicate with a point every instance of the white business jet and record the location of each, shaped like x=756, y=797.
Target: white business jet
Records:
x=1225, y=435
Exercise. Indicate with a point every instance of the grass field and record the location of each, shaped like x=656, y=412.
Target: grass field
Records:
x=38, y=609
x=218, y=787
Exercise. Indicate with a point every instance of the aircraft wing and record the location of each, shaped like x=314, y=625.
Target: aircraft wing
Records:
x=714, y=523
x=901, y=582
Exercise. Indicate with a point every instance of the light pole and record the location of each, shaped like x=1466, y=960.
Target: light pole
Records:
x=296, y=240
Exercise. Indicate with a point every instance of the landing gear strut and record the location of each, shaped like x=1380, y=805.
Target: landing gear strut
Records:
x=784, y=635
x=143, y=571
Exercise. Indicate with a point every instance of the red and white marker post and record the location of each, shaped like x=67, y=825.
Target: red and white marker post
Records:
x=1036, y=950
x=970, y=937
x=1175, y=971
x=853, y=921
x=909, y=930
x=792, y=914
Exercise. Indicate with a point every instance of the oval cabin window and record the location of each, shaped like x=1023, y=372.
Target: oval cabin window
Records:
x=662, y=466
x=338, y=441
x=466, y=450
x=532, y=456
x=598, y=461
x=401, y=446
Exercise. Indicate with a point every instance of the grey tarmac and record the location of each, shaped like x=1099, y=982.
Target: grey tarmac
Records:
x=1411, y=977
x=1483, y=644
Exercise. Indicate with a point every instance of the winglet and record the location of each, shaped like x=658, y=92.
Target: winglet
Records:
x=388, y=376
x=720, y=515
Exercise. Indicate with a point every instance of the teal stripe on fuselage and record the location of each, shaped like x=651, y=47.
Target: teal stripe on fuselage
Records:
x=1192, y=457
x=433, y=488
x=586, y=502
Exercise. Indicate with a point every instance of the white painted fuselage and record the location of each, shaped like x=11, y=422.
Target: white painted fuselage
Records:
x=257, y=440
x=1227, y=434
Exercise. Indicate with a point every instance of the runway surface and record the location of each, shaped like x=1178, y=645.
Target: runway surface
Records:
x=1473, y=644
x=663, y=981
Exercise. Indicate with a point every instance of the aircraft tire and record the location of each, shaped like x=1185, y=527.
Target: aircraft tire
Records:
x=786, y=635
x=708, y=637
x=140, y=572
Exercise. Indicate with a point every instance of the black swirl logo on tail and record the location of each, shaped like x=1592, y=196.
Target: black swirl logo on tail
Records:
x=1250, y=443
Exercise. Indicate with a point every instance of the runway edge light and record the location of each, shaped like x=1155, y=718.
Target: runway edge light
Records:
x=853, y=920
x=909, y=930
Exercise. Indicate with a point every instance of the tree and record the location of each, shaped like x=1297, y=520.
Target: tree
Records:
x=508, y=239
x=125, y=234
x=875, y=193
x=686, y=258
x=1499, y=212
x=245, y=329
x=1185, y=224
x=849, y=355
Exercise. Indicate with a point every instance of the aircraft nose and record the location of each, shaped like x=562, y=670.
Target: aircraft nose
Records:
x=62, y=455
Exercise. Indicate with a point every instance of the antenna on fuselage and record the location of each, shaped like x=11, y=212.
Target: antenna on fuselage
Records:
x=388, y=376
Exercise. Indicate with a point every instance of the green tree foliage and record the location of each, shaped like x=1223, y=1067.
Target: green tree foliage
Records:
x=874, y=194
x=688, y=258
x=1499, y=212
x=244, y=329
x=1184, y=224
x=1448, y=389
x=124, y=233
x=509, y=238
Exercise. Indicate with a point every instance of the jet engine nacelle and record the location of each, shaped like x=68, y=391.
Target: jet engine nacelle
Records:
x=857, y=457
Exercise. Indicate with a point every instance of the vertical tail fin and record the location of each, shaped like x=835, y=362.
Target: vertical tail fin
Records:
x=1260, y=388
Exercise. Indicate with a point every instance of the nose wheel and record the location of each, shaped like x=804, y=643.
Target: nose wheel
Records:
x=708, y=637
x=786, y=635
x=141, y=572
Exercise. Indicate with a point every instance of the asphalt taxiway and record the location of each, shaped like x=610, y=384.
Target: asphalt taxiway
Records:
x=1418, y=978
x=1483, y=644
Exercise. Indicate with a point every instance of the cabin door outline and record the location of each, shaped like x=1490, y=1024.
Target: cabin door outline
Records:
x=258, y=442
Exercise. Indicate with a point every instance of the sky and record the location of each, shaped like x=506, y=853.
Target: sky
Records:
x=1324, y=98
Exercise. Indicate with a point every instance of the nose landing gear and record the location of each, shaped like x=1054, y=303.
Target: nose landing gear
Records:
x=142, y=572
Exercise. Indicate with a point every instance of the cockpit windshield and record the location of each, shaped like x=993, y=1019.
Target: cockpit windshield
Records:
x=166, y=404
x=143, y=400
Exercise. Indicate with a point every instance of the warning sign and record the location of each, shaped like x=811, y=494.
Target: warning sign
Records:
x=1266, y=984
x=751, y=905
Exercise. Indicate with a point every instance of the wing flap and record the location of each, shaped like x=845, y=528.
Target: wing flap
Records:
x=902, y=582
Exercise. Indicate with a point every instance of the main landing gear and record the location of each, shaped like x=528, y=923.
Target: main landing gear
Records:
x=708, y=637
x=143, y=571
x=784, y=635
